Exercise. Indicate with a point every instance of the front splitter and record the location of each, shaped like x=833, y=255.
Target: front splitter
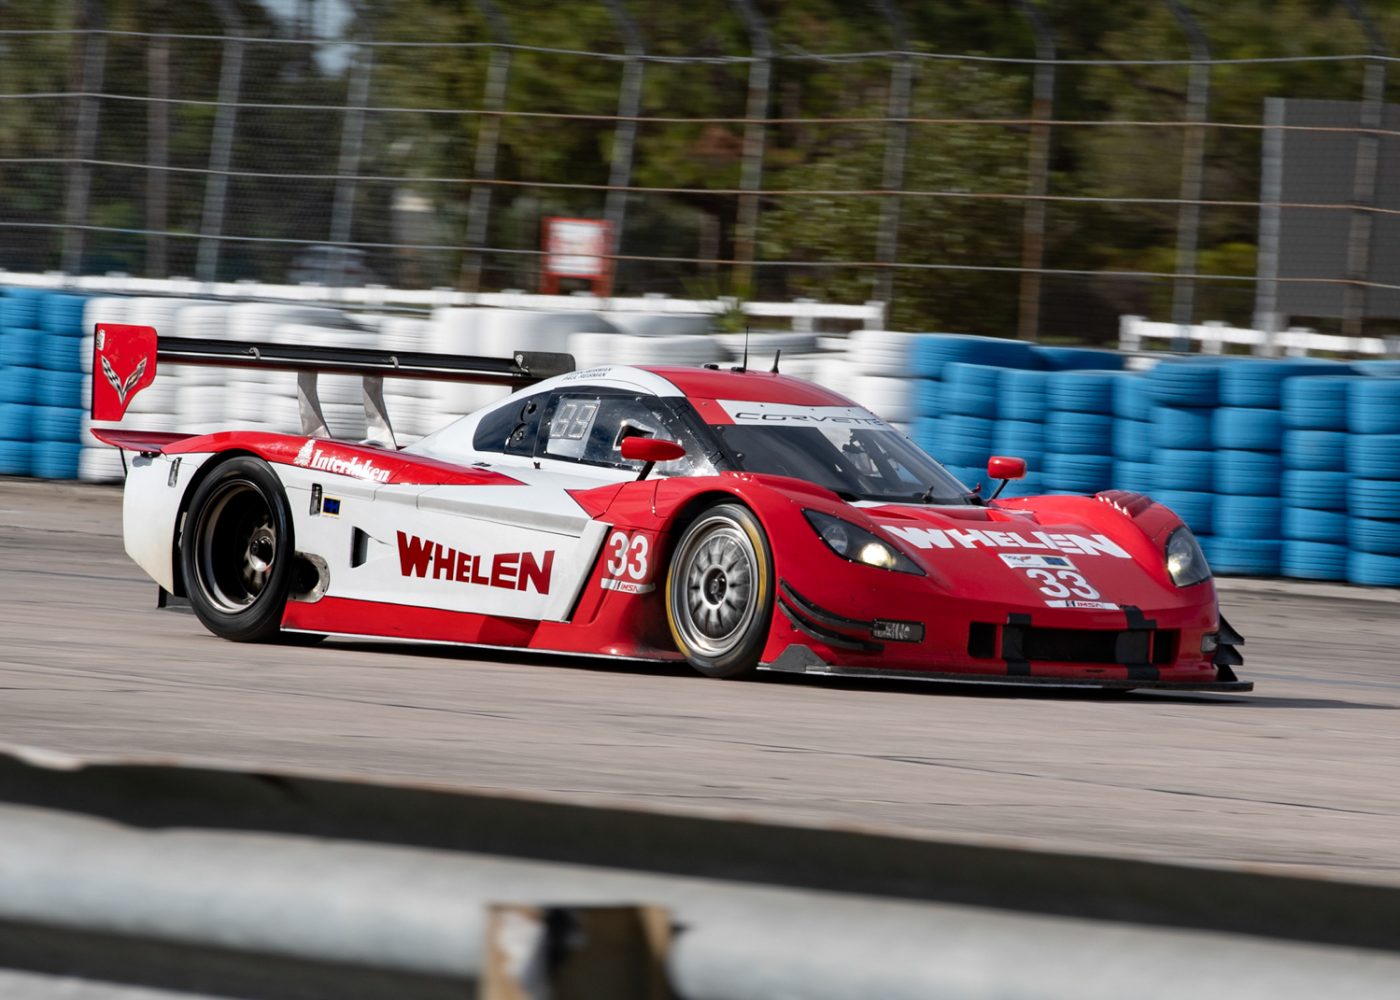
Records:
x=798, y=659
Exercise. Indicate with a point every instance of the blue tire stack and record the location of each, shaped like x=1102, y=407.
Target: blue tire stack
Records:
x=1373, y=468
x=1183, y=395
x=20, y=378
x=938, y=423
x=1020, y=431
x=1132, y=436
x=1314, y=482
x=1079, y=431
x=59, y=415
x=965, y=432
x=1248, y=463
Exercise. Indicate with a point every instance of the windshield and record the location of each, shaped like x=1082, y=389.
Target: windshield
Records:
x=863, y=459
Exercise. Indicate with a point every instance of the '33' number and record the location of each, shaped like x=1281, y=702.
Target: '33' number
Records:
x=628, y=556
x=1062, y=583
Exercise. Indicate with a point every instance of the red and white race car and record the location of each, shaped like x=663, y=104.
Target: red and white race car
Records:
x=738, y=520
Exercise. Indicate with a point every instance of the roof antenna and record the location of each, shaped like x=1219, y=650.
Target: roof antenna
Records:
x=744, y=365
x=774, y=369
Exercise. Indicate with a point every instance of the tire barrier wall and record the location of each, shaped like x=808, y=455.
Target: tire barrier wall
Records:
x=1282, y=467
x=1287, y=467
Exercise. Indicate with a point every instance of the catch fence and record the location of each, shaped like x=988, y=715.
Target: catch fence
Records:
x=1040, y=186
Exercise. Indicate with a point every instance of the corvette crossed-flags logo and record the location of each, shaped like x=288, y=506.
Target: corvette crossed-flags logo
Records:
x=123, y=388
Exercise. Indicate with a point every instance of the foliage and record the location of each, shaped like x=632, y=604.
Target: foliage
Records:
x=1122, y=179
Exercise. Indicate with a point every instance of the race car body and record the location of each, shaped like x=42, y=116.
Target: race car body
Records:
x=737, y=520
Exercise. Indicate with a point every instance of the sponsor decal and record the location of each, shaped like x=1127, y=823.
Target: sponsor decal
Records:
x=1084, y=605
x=627, y=586
x=788, y=415
x=892, y=631
x=1027, y=560
x=1036, y=541
x=312, y=457
x=122, y=387
x=420, y=557
x=330, y=506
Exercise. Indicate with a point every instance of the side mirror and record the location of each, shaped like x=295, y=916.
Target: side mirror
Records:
x=1006, y=469
x=648, y=449
x=1002, y=467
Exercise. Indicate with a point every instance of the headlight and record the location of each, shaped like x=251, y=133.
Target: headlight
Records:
x=1185, y=561
x=858, y=545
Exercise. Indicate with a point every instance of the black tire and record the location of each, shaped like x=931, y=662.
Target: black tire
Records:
x=719, y=591
x=236, y=551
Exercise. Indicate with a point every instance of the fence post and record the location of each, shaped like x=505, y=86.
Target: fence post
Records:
x=352, y=135
x=1193, y=153
x=1266, y=314
x=896, y=145
x=91, y=22
x=211, y=226
x=755, y=133
x=158, y=150
x=629, y=105
x=1363, y=196
x=488, y=140
x=1038, y=170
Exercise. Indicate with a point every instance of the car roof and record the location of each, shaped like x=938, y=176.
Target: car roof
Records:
x=748, y=386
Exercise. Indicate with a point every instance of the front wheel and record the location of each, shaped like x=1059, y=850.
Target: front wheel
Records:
x=236, y=551
x=719, y=592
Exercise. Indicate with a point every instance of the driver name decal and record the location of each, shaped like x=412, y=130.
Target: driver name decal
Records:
x=1038, y=541
x=504, y=570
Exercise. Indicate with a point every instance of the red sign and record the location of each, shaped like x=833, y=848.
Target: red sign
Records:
x=577, y=248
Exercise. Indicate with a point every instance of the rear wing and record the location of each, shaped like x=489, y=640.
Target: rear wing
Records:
x=125, y=359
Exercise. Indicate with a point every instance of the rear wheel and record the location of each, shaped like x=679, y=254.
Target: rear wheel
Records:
x=236, y=551
x=719, y=592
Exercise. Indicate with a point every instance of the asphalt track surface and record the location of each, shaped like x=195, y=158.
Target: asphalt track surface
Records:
x=1302, y=774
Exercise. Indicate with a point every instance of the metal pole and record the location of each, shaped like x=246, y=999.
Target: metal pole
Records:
x=1038, y=169
x=629, y=103
x=351, y=143
x=221, y=144
x=751, y=173
x=90, y=18
x=158, y=149
x=896, y=145
x=488, y=140
x=1193, y=155
x=1266, y=315
x=1363, y=197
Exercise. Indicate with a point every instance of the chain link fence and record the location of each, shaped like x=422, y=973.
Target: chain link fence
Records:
x=1040, y=183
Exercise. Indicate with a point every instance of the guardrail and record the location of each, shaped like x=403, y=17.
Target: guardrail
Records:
x=282, y=884
x=1135, y=334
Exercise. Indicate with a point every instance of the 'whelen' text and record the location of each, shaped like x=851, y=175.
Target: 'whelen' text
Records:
x=506, y=570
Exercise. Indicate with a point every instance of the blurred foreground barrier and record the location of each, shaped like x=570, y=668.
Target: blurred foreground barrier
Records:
x=228, y=883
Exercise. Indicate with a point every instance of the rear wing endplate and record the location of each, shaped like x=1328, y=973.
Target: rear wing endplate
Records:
x=125, y=359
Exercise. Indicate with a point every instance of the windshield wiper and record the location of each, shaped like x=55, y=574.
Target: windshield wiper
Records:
x=973, y=496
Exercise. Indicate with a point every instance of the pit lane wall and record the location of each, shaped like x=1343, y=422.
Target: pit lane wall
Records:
x=213, y=881
x=1283, y=467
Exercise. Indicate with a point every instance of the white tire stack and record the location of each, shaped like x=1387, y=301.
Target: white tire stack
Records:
x=593, y=350
x=201, y=403
x=764, y=345
x=406, y=398
x=885, y=385
x=642, y=324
